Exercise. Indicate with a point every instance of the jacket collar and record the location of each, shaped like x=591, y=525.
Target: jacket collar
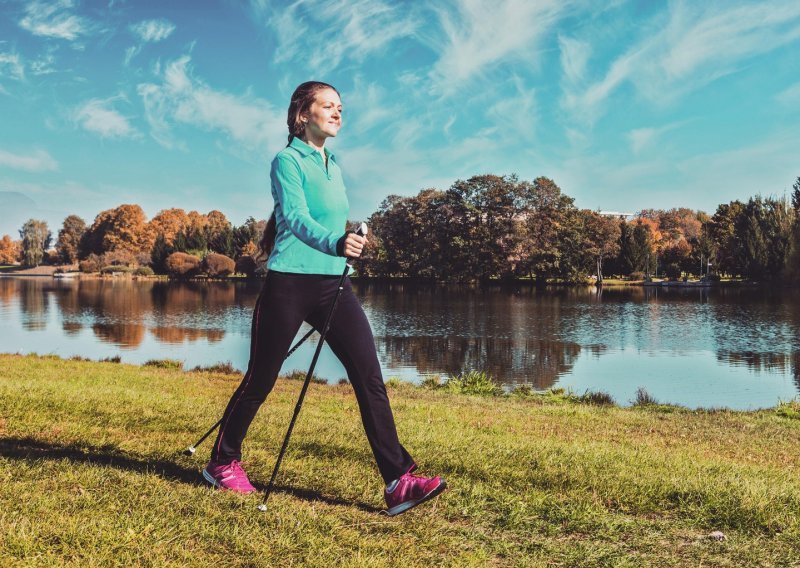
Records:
x=307, y=149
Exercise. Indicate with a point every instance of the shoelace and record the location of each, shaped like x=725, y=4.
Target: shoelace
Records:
x=235, y=468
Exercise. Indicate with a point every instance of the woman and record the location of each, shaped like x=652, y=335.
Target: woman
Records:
x=305, y=263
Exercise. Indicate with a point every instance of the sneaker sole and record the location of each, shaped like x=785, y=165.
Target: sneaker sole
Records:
x=210, y=478
x=403, y=507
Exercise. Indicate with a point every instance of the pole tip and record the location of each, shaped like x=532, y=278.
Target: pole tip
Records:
x=262, y=507
x=189, y=451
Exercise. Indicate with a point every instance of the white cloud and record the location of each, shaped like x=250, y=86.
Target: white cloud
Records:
x=39, y=161
x=252, y=122
x=153, y=30
x=132, y=52
x=516, y=112
x=790, y=96
x=644, y=138
x=689, y=46
x=54, y=19
x=334, y=31
x=44, y=65
x=574, y=56
x=11, y=66
x=98, y=117
x=480, y=34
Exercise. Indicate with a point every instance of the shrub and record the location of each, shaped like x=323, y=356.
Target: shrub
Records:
x=144, y=271
x=522, y=391
x=119, y=258
x=246, y=265
x=431, y=382
x=114, y=359
x=673, y=271
x=91, y=264
x=182, y=265
x=165, y=364
x=473, y=382
x=598, y=398
x=644, y=398
x=218, y=265
x=789, y=409
x=112, y=269
x=226, y=368
x=298, y=375
x=636, y=275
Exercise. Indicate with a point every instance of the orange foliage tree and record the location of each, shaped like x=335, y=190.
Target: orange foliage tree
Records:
x=169, y=222
x=9, y=250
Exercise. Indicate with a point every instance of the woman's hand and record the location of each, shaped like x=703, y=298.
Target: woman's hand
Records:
x=353, y=245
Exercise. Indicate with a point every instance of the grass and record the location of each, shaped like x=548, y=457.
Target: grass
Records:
x=92, y=475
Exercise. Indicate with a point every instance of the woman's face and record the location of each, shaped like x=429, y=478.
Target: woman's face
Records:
x=324, y=118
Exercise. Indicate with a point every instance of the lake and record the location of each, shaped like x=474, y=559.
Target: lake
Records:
x=721, y=347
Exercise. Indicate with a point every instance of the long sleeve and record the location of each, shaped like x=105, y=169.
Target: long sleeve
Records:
x=288, y=185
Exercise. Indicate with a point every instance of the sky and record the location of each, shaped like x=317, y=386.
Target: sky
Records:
x=627, y=105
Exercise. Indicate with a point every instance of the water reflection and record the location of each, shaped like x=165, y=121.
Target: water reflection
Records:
x=575, y=337
x=536, y=362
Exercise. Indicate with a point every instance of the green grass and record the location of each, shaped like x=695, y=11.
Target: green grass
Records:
x=92, y=474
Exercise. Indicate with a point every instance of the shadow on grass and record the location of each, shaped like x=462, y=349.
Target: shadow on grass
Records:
x=31, y=449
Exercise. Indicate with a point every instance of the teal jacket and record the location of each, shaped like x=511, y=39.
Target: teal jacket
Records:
x=311, y=210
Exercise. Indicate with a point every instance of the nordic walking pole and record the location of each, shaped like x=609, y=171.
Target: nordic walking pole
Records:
x=191, y=449
x=362, y=231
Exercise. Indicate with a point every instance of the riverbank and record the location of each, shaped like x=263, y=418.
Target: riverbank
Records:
x=90, y=460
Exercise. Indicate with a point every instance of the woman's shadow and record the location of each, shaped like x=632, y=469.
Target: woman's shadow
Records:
x=31, y=450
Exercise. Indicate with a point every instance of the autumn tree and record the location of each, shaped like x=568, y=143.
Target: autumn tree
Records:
x=169, y=222
x=36, y=239
x=69, y=238
x=124, y=227
x=9, y=250
x=601, y=239
x=219, y=234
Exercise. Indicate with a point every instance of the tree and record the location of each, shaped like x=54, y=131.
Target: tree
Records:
x=159, y=253
x=545, y=210
x=69, y=238
x=36, y=239
x=124, y=227
x=169, y=222
x=601, y=239
x=9, y=250
x=219, y=234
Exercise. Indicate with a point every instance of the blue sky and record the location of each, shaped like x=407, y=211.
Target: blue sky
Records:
x=626, y=105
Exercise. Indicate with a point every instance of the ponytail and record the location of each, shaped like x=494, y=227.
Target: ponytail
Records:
x=267, y=241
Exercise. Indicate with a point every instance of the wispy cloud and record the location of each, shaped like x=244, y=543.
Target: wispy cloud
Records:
x=54, y=19
x=790, y=96
x=99, y=117
x=574, y=56
x=251, y=122
x=479, y=34
x=324, y=34
x=148, y=31
x=153, y=30
x=644, y=138
x=11, y=66
x=38, y=161
x=694, y=44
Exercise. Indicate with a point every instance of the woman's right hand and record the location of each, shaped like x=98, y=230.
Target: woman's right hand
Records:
x=354, y=245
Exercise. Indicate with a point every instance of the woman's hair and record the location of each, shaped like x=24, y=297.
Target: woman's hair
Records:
x=302, y=99
x=267, y=238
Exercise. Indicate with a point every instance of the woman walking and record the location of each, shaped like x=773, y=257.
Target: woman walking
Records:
x=306, y=260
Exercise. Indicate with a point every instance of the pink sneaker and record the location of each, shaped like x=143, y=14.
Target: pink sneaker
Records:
x=229, y=476
x=410, y=491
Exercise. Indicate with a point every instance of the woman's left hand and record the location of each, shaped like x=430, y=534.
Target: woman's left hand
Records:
x=354, y=245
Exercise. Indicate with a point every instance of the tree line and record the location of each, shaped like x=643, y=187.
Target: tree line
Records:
x=483, y=228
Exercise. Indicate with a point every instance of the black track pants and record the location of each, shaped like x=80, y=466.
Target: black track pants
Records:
x=285, y=302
